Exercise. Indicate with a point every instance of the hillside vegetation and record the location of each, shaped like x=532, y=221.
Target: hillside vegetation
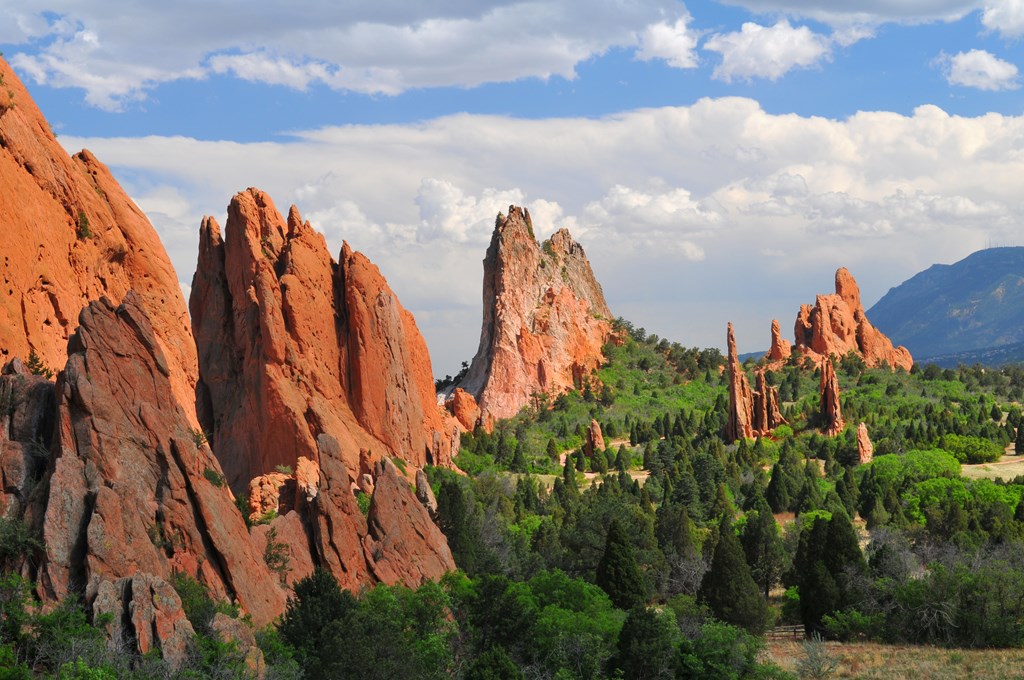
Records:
x=672, y=552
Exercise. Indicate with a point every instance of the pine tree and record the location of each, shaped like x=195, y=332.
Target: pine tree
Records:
x=729, y=589
x=552, y=449
x=647, y=645
x=762, y=546
x=1019, y=441
x=618, y=572
x=777, y=494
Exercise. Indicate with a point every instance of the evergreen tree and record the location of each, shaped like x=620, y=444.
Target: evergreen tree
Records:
x=618, y=572
x=777, y=494
x=318, y=602
x=647, y=645
x=1019, y=441
x=729, y=589
x=552, y=449
x=459, y=521
x=762, y=546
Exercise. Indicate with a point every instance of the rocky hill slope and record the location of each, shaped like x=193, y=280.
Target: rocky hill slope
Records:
x=974, y=304
x=545, y=318
x=69, y=235
x=305, y=363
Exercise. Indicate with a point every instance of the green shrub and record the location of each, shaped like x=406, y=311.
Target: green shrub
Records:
x=214, y=477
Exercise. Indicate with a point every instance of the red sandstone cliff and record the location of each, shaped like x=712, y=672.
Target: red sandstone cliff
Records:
x=293, y=345
x=544, y=318
x=69, y=234
x=836, y=324
x=130, y=490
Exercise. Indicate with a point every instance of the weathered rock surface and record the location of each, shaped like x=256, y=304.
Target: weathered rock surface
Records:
x=129, y=490
x=545, y=318
x=595, y=440
x=751, y=413
x=781, y=350
x=741, y=401
x=831, y=411
x=865, y=449
x=145, y=614
x=766, y=413
x=403, y=545
x=836, y=324
x=425, y=494
x=70, y=235
x=293, y=345
x=229, y=631
x=463, y=406
x=27, y=408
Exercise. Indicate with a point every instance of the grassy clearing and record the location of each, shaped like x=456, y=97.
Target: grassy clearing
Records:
x=1006, y=467
x=870, y=660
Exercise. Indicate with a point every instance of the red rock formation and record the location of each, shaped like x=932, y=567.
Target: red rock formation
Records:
x=463, y=406
x=741, y=401
x=865, y=449
x=545, y=319
x=831, y=411
x=130, y=492
x=780, y=350
x=293, y=345
x=26, y=427
x=766, y=413
x=145, y=611
x=403, y=545
x=70, y=235
x=836, y=324
x=595, y=440
x=751, y=413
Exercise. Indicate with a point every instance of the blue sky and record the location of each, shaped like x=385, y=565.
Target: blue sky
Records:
x=717, y=160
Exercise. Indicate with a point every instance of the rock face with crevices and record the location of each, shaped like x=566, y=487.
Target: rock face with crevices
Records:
x=545, y=319
x=68, y=235
x=865, y=449
x=131, y=491
x=780, y=350
x=836, y=324
x=751, y=413
x=741, y=400
x=293, y=345
x=831, y=410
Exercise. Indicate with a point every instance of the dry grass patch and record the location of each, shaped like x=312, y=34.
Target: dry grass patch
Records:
x=871, y=660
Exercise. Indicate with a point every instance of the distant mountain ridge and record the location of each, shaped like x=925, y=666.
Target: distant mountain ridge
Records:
x=974, y=304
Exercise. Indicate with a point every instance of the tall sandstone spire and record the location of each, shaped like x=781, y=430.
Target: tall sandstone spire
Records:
x=545, y=318
x=741, y=400
x=831, y=410
x=69, y=234
x=751, y=413
x=293, y=345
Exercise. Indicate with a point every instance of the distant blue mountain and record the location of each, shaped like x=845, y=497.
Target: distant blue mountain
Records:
x=973, y=306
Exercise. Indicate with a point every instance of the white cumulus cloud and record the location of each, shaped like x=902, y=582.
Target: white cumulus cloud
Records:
x=675, y=43
x=679, y=208
x=118, y=52
x=757, y=51
x=979, y=69
x=1004, y=16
